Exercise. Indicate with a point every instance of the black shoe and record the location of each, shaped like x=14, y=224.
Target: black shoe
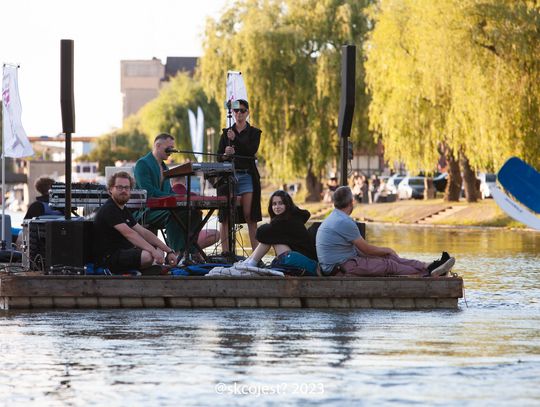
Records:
x=437, y=263
x=444, y=268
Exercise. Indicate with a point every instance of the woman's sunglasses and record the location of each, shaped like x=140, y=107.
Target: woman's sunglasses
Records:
x=240, y=110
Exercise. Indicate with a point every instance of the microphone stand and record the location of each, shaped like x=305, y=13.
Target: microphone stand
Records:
x=231, y=202
x=229, y=115
x=231, y=193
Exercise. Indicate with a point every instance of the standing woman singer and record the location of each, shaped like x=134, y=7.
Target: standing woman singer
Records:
x=243, y=140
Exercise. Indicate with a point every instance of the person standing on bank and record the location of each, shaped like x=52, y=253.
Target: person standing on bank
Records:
x=120, y=243
x=343, y=251
x=242, y=140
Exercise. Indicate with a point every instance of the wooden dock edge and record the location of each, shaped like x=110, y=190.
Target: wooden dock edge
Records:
x=79, y=292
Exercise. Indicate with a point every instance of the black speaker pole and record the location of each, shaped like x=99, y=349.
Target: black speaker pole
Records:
x=346, y=106
x=68, y=111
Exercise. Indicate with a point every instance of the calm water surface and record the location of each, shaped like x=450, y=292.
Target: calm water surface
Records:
x=484, y=354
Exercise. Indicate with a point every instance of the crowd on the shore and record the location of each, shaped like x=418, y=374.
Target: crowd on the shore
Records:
x=366, y=190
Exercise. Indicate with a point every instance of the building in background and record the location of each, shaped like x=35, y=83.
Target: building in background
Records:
x=141, y=80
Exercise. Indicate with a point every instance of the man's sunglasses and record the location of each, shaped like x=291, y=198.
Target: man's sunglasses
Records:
x=240, y=110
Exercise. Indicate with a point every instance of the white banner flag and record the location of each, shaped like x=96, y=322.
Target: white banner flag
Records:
x=199, y=138
x=15, y=141
x=192, y=128
x=196, y=128
x=235, y=88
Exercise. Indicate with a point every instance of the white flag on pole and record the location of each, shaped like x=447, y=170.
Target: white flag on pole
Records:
x=15, y=141
x=192, y=128
x=196, y=129
x=236, y=89
x=199, y=138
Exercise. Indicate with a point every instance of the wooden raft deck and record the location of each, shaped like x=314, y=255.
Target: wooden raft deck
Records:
x=40, y=291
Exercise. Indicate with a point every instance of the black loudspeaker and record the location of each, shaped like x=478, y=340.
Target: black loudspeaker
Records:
x=68, y=243
x=348, y=86
x=67, y=102
x=34, y=231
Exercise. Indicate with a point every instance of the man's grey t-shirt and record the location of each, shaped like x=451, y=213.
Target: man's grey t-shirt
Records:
x=335, y=240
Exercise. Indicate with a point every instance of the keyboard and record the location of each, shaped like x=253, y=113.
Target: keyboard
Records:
x=91, y=197
x=197, y=202
x=209, y=169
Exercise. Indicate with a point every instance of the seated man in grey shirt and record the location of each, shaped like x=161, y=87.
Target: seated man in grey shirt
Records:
x=342, y=250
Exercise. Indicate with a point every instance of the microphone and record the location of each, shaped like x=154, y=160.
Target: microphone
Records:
x=170, y=150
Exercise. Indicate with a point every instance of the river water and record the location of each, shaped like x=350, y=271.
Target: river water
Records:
x=486, y=353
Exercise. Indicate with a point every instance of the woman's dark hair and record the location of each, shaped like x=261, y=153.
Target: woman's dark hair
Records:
x=287, y=201
x=43, y=184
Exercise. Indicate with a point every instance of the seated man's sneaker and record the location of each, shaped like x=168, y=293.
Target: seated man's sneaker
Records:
x=437, y=263
x=444, y=268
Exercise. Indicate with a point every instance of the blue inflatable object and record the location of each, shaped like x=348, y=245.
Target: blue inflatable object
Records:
x=178, y=272
x=203, y=269
x=90, y=270
x=522, y=181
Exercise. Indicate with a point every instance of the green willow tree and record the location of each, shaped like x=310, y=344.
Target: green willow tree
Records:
x=455, y=76
x=169, y=111
x=289, y=52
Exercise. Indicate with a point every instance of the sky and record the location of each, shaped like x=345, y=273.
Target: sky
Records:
x=104, y=33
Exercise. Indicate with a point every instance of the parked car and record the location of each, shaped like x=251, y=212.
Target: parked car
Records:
x=393, y=183
x=411, y=187
x=486, y=179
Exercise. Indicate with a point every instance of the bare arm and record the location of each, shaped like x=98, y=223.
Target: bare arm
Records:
x=132, y=236
x=372, y=250
x=151, y=238
x=155, y=242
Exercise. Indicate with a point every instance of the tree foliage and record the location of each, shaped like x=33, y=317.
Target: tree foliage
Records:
x=464, y=73
x=126, y=144
x=169, y=111
x=289, y=52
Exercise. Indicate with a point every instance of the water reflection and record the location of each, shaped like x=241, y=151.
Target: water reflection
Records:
x=486, y=353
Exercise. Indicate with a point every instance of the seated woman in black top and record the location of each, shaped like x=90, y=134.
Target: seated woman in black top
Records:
x=286, y=233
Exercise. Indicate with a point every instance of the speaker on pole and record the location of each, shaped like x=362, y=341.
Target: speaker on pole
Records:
x=67, y=105
x=346, y=104
x=348, y=87
x=67, y=102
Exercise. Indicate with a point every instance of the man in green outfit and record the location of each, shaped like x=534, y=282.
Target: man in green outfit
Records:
x=149, y=176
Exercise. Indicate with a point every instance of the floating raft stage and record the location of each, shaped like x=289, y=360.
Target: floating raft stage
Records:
x=50, y=291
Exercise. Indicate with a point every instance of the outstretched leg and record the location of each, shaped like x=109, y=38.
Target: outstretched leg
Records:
x=261, y=250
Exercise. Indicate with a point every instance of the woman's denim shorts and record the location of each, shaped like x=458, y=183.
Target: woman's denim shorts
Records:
x=244, y=183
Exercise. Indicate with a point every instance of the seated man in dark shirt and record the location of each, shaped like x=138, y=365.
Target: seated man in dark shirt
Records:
x=120, y=244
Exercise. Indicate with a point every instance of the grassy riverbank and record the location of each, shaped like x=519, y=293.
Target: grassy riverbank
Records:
x=431, y=212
